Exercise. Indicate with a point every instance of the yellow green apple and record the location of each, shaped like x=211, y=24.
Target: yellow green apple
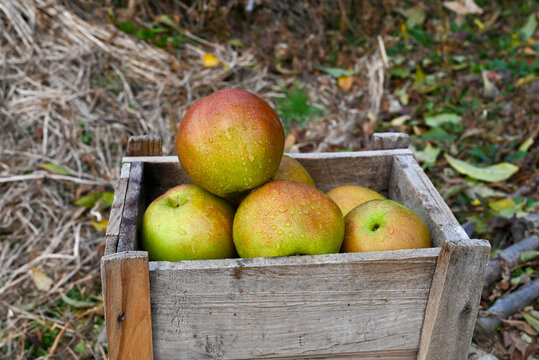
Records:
x=287, y=218
x=290, y=169
x=348, y=197
x=384, y=225
x=188, y=223
x=229, y=142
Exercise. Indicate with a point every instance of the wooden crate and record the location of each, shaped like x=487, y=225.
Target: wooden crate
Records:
x=403, y=304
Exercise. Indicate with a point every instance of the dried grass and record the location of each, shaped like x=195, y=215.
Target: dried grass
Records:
x=71, y=93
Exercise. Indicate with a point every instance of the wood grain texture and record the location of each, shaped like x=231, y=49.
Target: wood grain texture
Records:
x=369, y=355
x=390, y=140
x=133, y=209
x=367, y=168
x=454, y=299
x=290, y=306
x=117, y=208
x=126, y=298
x=410, y=186
x=144, y=145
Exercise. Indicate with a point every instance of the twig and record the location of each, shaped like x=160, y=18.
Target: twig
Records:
x=504, y=307
x=510, y=256
x=40, y=175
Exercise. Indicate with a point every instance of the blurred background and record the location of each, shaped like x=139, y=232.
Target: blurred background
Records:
x=77, y=78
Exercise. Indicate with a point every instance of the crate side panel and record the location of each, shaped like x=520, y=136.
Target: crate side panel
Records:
x=410, y=186
x=370, y=169
x=249, y=312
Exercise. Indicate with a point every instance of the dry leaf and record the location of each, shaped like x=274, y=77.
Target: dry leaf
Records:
x=521, y=325
x=210, y=60
x=101, y=225
x=42, y=281
x=463, y=7
x=289, y=142
x=346, y=82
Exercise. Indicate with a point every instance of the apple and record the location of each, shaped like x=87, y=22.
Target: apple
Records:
x=384, y=225
x=187, y=223
x=229, y=142
x=348, y=197
x=290, y=169
x=287, y=218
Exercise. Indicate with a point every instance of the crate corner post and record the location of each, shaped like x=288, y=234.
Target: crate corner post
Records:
x=126, y=297
x=454, y=299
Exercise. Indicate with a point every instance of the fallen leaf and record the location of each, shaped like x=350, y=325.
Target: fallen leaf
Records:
x=463, y=7
x=528, y=79
x=76, y=303
x=337, y=72
x=345, y=82
x=513, y=342
x=476, y=190
x=428, y=155
x=529, y=255
x=499, y=205
x=101, y=225
x=56, y=169
x=400, y=120
x=521, y=325
x=439, y=119
x=529, y=27
x=289, y=142
x=498, y=172
x=41, y=280
x=532, y=317
x=210, y=60
x=106, y=198
x=489, y=89
x=414, y=16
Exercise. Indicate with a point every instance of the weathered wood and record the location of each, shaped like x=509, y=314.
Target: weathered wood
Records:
x=454, y=299
x=510, y=256
x=390, y=140
x=290, y=306
x=369, y=355
x=126, y=298
x=116, y=212
x=508, y=305
x=367, y=168
x=133, y=209
x=410, y=186
x=144, y=145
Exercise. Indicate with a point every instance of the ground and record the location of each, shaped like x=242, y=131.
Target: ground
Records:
x=78, y=78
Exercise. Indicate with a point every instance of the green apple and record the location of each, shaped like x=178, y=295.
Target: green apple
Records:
x=290, y=169
x=348, y=197
x=287, y=218
x=230, y=142
x=384, y=225
x=187, y=223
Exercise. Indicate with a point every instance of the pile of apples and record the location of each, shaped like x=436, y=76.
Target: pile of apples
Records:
x=251, y=200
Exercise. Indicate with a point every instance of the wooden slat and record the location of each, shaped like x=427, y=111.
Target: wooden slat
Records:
x=410, y=186
x=390, y=140
x=133, y=209
x=144, y=145
x=290, y=306
x=369, y=355
x=454, y=299
x=127, y=307
x=115, y=218
x=367, y=168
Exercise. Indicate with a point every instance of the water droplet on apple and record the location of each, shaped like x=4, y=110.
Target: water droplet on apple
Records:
x=279, y=232
x=182, y=232
x=391, y=230
x=251, y=157
x=283, y=208
x=288, y=223
x=273, y=227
